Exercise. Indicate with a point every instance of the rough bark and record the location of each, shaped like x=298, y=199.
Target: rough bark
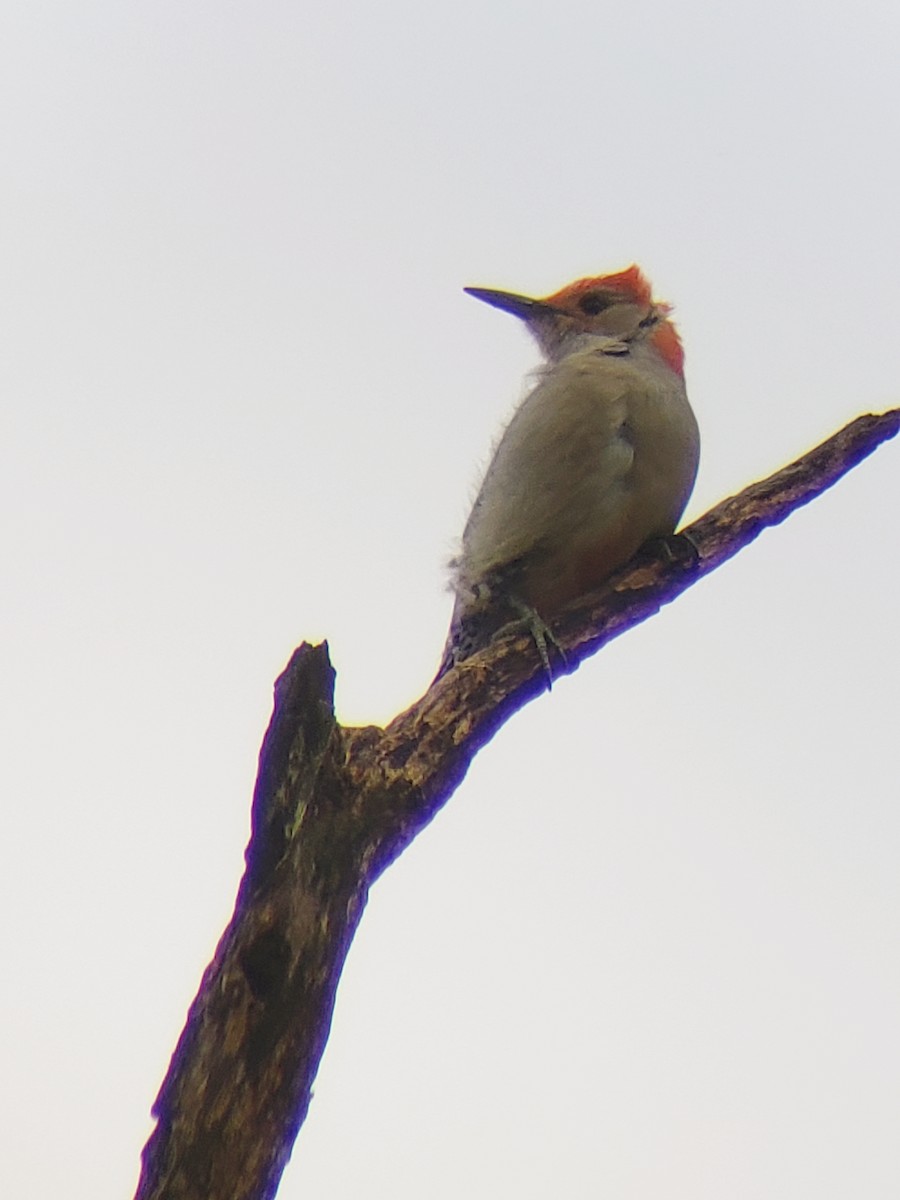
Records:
x=334, y=806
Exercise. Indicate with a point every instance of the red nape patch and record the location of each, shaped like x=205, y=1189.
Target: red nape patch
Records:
x=666, y=340
x=630, y=284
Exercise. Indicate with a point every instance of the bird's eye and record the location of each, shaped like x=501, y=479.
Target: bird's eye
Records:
x=594, y=302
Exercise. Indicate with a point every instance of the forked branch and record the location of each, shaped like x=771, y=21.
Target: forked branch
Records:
x=334, y=806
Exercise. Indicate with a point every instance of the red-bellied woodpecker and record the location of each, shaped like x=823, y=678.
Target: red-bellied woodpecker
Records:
x=598, y=458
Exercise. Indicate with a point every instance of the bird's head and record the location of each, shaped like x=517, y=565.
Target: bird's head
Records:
x=618, y=306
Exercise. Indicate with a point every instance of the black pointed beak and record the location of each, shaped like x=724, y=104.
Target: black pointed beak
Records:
x=520, y=306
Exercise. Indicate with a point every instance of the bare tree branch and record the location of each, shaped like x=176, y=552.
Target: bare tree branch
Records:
x=333, y=807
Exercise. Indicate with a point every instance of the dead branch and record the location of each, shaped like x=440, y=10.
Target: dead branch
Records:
x=333, y=807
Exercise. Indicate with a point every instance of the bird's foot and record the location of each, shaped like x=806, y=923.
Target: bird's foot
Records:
x=675, y=548
x=541, y=634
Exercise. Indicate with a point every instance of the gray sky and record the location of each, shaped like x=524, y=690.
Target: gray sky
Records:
x=650, y=947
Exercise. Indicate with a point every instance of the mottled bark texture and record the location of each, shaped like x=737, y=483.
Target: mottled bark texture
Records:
x=334, y=806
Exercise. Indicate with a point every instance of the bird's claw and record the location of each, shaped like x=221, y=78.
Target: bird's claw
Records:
x=542, y=635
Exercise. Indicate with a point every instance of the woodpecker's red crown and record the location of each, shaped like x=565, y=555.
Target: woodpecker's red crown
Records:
x=629, y=285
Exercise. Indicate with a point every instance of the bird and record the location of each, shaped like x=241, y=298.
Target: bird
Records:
x=598, y=458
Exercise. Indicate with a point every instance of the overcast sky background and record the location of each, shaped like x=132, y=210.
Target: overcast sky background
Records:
x=650, y=947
